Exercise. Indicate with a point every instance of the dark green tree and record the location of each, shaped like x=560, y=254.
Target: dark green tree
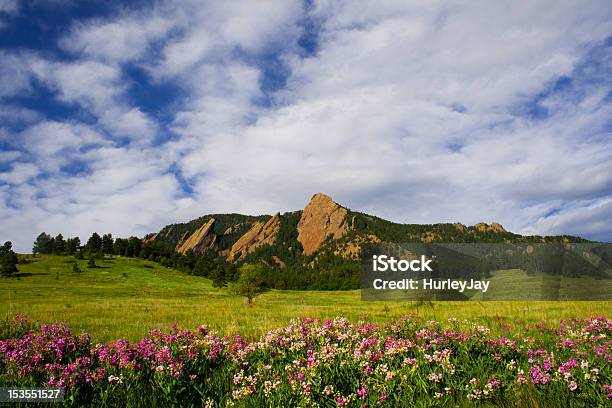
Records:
x=59, y=245
x=73, y=245
x=43, y=244
x=8, y=259
x=94, y=244
x=107, y=244
x=120, y=246
x=134, y=247
x=218, y=276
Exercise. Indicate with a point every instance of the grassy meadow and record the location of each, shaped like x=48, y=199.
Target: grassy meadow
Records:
x=125, y=298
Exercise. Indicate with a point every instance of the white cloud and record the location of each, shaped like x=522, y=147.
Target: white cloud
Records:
x=590, y=218
x=20, y=173
x=16, y=114
x=126, y=39
x=414, y=111
x=373, y=114
x=9, y=6
x=14, y=75
x=100, y=89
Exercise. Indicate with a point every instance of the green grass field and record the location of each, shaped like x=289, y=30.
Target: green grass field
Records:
x=124, y=298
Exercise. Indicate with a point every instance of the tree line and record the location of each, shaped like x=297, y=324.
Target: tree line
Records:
x=99, y=246
x=325, y=272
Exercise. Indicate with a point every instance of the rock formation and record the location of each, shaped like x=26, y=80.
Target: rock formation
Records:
x=203, y=240
x=321, y=218
x=258, y=235
x=494, y=227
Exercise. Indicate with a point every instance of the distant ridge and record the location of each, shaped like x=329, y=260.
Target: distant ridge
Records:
x=323, y=228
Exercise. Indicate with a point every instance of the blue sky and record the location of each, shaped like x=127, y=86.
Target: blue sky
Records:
x=126, y=116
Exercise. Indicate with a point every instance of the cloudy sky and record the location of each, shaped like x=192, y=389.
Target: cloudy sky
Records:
x=124, y=117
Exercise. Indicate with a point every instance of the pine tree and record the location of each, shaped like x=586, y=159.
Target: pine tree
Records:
x=218, y=277
x=73, y=245
x=8, y=259
x=43, y=244
x=94, y=244
x=107, y=244
x=59, y=245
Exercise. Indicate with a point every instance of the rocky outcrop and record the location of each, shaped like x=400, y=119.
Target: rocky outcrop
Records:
x=258, y=235
x=233, y=229
x=321, y=218
x=494, y=227
x=203, y=240
x=460, y=226
x=150, y=237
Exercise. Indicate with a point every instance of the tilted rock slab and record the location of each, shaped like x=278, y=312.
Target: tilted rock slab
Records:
x=203, y=240
x=321, y=218
x=258, y=235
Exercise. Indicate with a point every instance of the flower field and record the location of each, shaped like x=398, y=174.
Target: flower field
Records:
x=337, y=363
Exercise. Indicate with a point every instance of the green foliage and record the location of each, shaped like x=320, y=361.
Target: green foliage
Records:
x=94, y=243
x=59, y=244
x=393, y=232
x=43, y=244
x=250, y=282
x=107, y=244
x=8, y=260
x=14, y=326
x=91, y=263
x=72, y=245
x=111, y=306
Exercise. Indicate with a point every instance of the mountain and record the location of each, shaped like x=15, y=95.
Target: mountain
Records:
x=324, y=233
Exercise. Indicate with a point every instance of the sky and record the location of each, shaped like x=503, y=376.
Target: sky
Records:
x=123, y=117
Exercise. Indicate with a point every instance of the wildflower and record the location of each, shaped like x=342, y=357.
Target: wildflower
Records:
x=435, y=377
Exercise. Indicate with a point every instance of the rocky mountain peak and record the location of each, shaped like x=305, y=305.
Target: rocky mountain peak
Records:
x=494, y=227
x=322, y=217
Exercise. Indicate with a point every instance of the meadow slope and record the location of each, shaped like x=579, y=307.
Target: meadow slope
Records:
x=125, y=298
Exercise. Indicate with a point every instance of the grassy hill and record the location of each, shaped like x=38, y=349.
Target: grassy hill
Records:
x=125, y=297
